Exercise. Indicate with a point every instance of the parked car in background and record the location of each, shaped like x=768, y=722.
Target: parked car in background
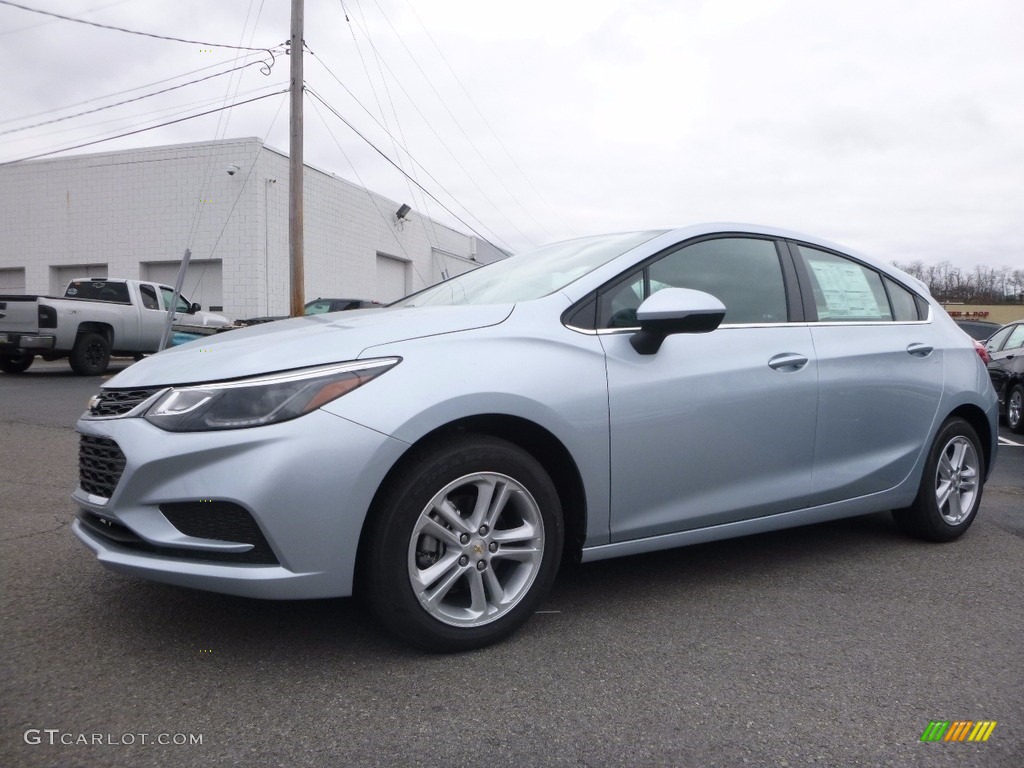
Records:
x=595, y=398
x=977, y=329
x=317, y=307
x=1006, y=367
x=97, y=317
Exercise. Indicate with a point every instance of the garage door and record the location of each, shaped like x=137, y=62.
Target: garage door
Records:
x=62, y=275
x=12, y=280
x=391, y=279
x=204, y=280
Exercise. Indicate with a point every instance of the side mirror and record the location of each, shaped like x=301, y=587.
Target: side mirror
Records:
x=675, y=310
x=194, y=308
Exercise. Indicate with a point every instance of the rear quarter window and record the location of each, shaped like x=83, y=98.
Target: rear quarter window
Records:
x=98, y=290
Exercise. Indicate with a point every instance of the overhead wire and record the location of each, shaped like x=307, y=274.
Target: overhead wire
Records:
x=439, y=138
x=486, y=122
x=369, y=194
x=433, y=197
x=470, y=176
x=422, y=202
x=155, y=114
x=117, y=93
x=140, y=130
x=51, y=21
x=125, y=101
x=128, y=31
x=458, y=123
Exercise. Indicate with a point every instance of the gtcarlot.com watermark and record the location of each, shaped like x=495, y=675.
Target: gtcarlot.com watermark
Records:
x=56, y=737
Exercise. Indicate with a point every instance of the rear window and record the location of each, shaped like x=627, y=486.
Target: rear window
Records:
x=98, y=290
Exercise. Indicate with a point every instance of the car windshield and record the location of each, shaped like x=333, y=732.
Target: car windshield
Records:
x=529, y=275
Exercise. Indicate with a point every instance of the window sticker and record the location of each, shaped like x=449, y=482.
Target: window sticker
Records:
x=846, y=291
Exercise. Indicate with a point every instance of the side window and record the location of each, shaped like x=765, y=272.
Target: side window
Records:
x=183, y=306
x=742, y=273
x=618, y=305
x=318, y=307
x=845, y=291
x=904, y=305
x=149, y=299
x=1016, y=340
x=997, y=338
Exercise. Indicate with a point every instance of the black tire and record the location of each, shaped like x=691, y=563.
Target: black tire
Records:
x=954, y=473
x=496, y=575
x=16, y=363
x=1015, y=408
x=91, y=354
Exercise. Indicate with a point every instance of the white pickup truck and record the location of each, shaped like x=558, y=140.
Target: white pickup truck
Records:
x=97, y=317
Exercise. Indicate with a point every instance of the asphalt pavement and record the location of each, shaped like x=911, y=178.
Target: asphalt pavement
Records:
x=831, y=645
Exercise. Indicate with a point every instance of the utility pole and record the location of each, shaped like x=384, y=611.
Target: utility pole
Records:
x=295, y=229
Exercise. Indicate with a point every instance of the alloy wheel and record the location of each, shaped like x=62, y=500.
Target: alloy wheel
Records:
x=476, y=549
x=956, y=480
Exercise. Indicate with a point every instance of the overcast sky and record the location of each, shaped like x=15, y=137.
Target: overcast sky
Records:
x=896, y=128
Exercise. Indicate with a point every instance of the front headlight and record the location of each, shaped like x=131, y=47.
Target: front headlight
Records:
x=262, y=400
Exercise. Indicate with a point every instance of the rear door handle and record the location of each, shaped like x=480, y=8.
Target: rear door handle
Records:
x=787, y=361
x=920, y=350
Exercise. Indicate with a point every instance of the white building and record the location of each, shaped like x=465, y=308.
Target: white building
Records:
x=132, y=214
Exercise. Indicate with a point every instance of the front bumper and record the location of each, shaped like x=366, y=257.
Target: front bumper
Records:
x=306, y=484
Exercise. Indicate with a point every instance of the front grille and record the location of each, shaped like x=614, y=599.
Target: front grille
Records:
x=100, y=464
x=117, y=402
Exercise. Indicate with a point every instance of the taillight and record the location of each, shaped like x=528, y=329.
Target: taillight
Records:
x=47, y=317
x=982, y=352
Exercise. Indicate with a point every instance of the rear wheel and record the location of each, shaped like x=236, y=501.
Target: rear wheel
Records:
x=1015, y=409
x=90, y=355
x=950, y=491
x=466, y=545
x=16, y=363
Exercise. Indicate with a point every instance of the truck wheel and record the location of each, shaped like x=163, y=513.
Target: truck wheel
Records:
x=91, y=354
x=17, y=363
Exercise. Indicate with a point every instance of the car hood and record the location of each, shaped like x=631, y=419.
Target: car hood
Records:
x=300, y=342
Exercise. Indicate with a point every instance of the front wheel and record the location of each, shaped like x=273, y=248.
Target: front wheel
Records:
x=464, y=546
x=1015, y=409
x=16, y=363
x=951, y=485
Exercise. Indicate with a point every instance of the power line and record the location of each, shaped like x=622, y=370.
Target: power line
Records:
x=471, y=178
x=44, y=23
x=398, y=124
x=125, y=101
x=369, y=194
x=130, y=31
x=407, y=152
x=153, y=114
x=141, y=130
x=484, y=118
x=383, y=154
x=444, y=104
x=117, y=93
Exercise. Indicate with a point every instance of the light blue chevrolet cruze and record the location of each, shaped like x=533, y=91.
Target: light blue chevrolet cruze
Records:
x=599, y=397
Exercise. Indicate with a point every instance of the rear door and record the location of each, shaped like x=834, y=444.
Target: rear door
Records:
x=1006, y=353
x=714, y=427
x=880, y=371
